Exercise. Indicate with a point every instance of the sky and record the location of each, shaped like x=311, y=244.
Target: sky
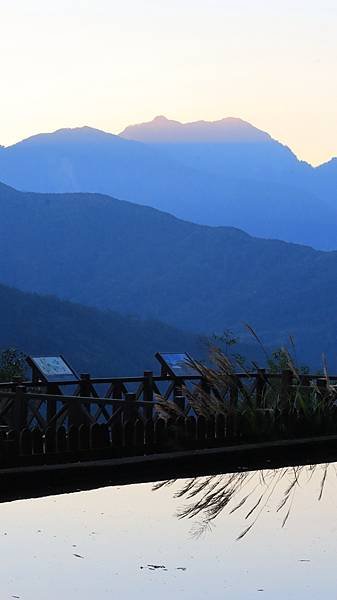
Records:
x=111, y=63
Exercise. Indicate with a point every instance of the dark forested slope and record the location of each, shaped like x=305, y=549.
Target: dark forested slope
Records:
x=100, y=342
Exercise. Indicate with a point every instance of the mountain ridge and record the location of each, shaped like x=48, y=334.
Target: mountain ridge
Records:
x=226, y=129
x=124, y=133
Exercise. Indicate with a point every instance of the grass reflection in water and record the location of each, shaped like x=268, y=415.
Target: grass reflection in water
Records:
x=251, y=492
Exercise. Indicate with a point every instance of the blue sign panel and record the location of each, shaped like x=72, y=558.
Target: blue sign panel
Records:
x=52, y=368
x=178, y=365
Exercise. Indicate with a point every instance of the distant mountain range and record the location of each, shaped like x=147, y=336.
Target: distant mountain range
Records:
x=222, y=173
x=115, y=255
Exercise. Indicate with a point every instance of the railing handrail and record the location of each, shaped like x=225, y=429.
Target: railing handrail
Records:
x=21, y=404
x=84, y=399
x=102, y=380
x=155, y=378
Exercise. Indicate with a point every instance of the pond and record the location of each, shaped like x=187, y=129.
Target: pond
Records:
x=129, y=541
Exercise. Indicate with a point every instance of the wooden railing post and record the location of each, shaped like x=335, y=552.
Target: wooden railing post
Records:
x=148, y=393
x=75, y=415
x=52, y=390
x=205, y=386
x=116, y=392
x=130, y=411
x=306, y=388
x=85, y=388
x=233, y=392
x=285, y=390
x=19, y=408
x=17, y=380
x=178, y=396
x=85, y=385
x=260, y=388
x=178, y=389
x=180, y=402
x=322, y=386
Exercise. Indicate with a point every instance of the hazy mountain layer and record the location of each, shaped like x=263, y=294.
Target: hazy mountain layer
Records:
x=222, y=173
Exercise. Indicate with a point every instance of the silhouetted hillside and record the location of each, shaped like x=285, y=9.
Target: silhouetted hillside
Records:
x=99, y=342
x=136, y=260
x=222, y=173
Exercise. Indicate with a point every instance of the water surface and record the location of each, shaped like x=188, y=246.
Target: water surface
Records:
x=109, y=542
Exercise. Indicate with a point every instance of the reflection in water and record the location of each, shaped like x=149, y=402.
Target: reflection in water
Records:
x=249, y=491
x=124, y=541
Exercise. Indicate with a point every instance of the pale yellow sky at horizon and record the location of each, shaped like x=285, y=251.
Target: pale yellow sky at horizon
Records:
x=113, y=64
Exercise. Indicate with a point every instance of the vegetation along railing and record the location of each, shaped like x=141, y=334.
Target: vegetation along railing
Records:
x=138, y=415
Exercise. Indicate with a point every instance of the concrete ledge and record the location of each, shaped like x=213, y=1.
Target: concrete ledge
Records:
x=43, y=480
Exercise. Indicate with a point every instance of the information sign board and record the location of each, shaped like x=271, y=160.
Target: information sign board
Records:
x=51, y=368
x=177, y=365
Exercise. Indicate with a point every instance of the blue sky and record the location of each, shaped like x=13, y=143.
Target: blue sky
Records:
x=109, y=64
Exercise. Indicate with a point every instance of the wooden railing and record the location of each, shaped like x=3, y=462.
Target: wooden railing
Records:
x=87, y=401
x=124, y=416
x=102, y=400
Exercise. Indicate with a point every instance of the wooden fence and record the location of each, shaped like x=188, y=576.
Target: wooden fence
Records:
x=111, y=417
x=88, y=401
x=135, y=437
x=129, y=438
x=91, y=400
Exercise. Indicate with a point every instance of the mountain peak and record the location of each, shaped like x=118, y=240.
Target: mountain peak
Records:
x=82, y=128
x=67, y=135
x=160, y=119
x=164, y=130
